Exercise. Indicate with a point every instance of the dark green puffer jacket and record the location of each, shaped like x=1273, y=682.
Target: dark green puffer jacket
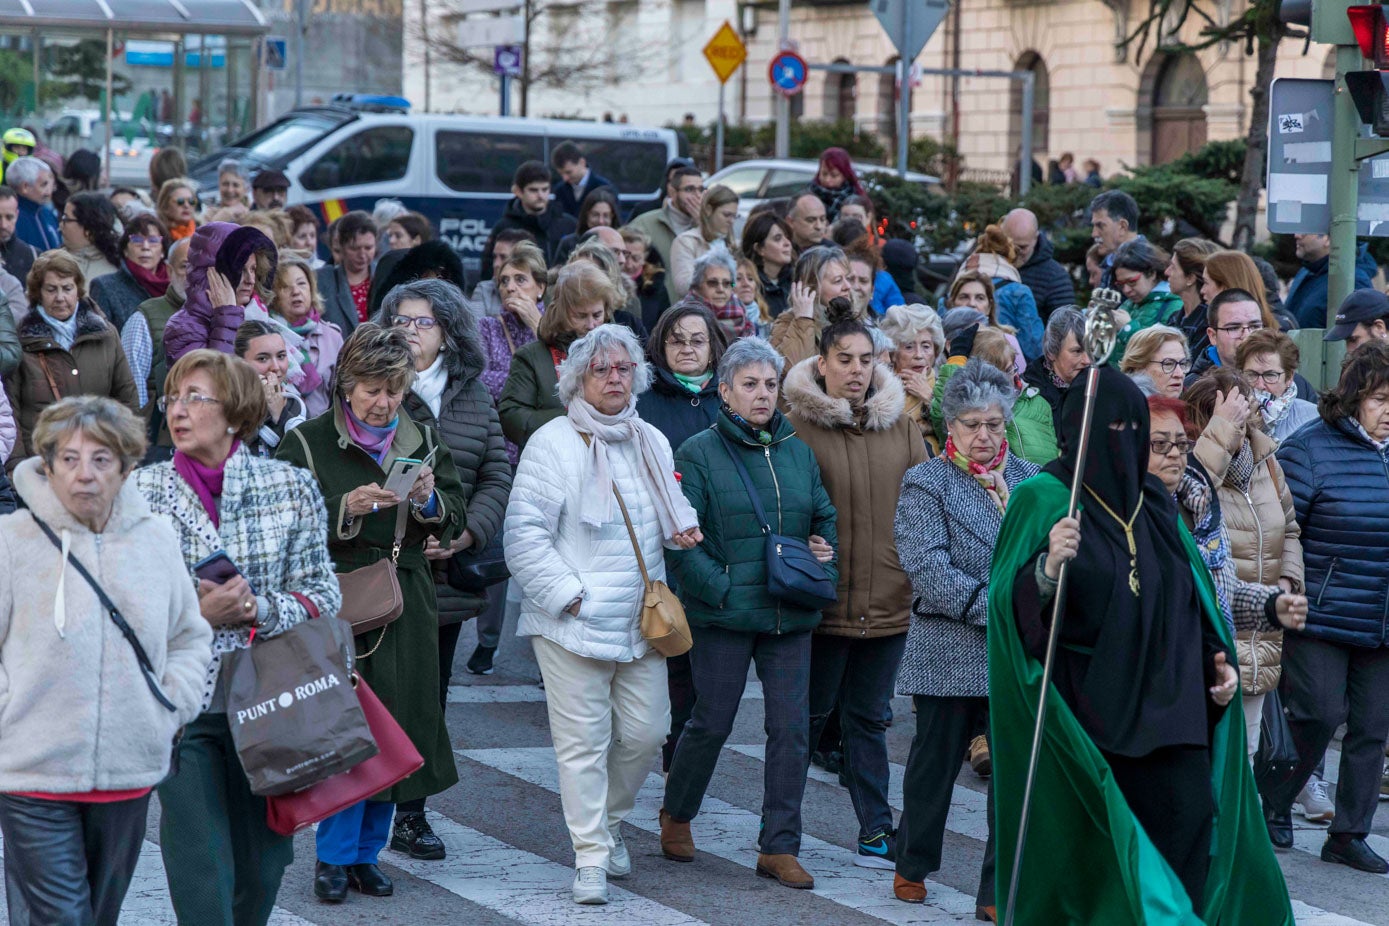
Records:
x=723, y=581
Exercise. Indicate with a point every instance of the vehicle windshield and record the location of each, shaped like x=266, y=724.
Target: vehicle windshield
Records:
x=280, y=142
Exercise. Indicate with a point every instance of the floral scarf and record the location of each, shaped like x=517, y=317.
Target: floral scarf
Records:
x=1273, y=408
x=989, y=476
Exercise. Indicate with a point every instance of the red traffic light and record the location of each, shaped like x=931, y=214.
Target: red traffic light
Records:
x=1371, y=32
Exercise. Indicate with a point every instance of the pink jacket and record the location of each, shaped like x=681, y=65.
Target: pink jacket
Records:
x=198, y=324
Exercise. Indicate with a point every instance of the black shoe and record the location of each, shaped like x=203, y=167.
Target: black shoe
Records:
x=370, y=880
x=480, y=662
x=1354, y=852
x=1280, y=828
x=330, y=883
x=413, y=836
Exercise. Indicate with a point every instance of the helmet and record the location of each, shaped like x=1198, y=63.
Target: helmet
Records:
x=17, y=136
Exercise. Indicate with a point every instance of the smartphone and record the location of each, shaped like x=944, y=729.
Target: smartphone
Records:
x=401, y=478
x=217, y=568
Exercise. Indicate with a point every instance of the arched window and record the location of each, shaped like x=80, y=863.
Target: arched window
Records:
x=841, y=94
x=1179, y=108
x=887, y=104
x=1041, y=104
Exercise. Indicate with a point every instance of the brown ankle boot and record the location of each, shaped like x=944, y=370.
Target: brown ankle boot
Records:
x=908, y=891
x=786, y=869
x=677, y=842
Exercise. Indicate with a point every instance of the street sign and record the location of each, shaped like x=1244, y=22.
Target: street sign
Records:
x=725, y=52
x=787, y=72
x=275, y=53
x=1299, y=164
x=909, y=23
x=491, y=30
x=506, y=60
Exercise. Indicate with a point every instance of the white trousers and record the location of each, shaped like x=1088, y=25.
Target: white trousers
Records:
x=608, y=721
x=1253, y=716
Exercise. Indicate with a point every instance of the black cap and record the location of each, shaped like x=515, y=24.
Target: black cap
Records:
x=270, y=180
x=1359, y=308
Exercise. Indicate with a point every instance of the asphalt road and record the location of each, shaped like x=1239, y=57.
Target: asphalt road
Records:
x=510, y=858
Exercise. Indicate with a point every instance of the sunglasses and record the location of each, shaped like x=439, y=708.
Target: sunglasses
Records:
x=180, y=201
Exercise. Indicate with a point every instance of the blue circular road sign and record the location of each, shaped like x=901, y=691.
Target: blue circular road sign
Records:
x=787, y=73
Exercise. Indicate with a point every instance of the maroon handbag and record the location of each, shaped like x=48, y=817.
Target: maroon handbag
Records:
x=397, y=760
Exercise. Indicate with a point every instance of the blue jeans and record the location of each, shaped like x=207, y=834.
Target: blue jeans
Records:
x=719, y=666
x=859, y=674
x=355, y=836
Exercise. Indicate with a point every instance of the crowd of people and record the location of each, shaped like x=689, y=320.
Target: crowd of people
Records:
x=637, y=396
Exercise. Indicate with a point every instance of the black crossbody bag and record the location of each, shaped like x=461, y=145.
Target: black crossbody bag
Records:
x=146, y=667
x=794, y=575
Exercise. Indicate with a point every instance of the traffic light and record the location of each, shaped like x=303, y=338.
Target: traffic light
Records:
x=1370, y=89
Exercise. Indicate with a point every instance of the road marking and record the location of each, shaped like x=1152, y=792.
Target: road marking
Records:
x=1307, y=915
x=730, y=833
x=529, y=693
x=147, y=902
x=522, y=886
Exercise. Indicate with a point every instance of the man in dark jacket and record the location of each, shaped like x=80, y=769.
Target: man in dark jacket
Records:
x=1051, y=285
x=1307, y=293
x=37, y=224
x=17, y=256
x=532, y=210
x=346, y=286
x=579, y=180
x=1233, y=315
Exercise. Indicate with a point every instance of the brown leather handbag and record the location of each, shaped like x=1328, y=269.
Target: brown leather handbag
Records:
x=663, y=623
x=371, y=595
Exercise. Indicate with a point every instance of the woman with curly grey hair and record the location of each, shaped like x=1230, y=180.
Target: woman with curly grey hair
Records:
x=948, y=515
x=583, y=479
x=919, y=339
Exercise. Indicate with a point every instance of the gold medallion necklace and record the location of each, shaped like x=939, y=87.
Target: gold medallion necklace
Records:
x=1128, y=534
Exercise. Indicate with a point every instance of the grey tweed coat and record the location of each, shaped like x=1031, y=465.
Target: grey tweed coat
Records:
x=946, y=528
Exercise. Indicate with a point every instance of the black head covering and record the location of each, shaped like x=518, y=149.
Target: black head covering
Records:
x=1140, y=684
x=407, y=265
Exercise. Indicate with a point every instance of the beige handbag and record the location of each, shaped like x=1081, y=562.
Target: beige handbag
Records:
x=663, y=623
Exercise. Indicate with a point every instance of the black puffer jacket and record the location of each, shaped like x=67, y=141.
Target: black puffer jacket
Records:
x=1052, y=287
x=469, y=427
x=675, y=411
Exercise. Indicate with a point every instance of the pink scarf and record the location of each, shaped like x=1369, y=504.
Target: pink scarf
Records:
x=374, y=440
x=204, y=480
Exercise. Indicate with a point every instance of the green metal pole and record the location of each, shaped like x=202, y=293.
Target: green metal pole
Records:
x=1345, y=179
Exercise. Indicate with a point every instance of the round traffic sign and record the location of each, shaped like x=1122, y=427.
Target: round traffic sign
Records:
x=787, y=73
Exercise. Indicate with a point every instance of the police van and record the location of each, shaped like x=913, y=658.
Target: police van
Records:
x=456, y=170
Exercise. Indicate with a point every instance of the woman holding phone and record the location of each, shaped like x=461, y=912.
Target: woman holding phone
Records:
x=221, y=497
x=352, y=449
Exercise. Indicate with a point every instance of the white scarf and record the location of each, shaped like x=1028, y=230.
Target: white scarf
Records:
x=429, y=384
x=596, y=506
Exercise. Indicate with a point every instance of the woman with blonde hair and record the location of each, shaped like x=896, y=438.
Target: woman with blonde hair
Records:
x=717, y=212
x=177, y=205
x=972, y=289
x=1159, y=352
x=299, y=307
x=919, y=341
x=995, y=256
x=821, y=275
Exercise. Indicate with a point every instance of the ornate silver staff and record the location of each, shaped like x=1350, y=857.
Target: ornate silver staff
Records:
x=1101, y=332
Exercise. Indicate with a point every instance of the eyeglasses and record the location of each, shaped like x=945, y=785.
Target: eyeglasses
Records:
x=718, y=284
x=1267, y=377
x=698, y=343
x=601, y=370
x=181, y=201
x=191, y=401
x=64, y=219
x=1170, y=366
x=1248, y=328
x=419, y=321
x=1162, y=447
x=993, y=425
x=690, y=189
x=146, y=239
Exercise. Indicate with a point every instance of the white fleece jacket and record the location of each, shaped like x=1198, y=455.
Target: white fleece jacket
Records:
x=75, y=712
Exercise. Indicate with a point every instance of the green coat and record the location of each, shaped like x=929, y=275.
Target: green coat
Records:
x=1088, y=860
x=1153, y=310
x=723, y=581
x=404, y=669
x=1031, y=432
x=529, y=397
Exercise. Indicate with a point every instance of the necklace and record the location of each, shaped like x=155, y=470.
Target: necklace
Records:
x=1128, y=534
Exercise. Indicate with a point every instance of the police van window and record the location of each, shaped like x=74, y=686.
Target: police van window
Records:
x=473, y=162
x=633, y=166
x=375, y=155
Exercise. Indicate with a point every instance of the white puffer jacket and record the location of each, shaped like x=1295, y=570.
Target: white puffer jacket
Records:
x=555, y=558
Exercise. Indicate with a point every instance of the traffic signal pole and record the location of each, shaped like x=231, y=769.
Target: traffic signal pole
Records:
x=1344, y=188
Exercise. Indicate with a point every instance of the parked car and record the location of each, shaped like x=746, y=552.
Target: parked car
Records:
x=133, y=142
x=456, y=170
x=774, y=178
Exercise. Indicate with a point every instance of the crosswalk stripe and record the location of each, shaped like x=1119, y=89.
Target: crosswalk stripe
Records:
x=147, y=902
x=521, y=886
x=1307, y=915
x=730, y=833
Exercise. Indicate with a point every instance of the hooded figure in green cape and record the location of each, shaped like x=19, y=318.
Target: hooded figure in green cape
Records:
x=1145, y=810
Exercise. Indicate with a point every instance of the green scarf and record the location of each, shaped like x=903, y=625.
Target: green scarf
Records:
x=695, y=384
x=1088, y=860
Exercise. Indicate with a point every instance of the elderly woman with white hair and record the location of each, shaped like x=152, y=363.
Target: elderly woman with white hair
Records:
x=919, y=339
x=595, y=490
x=948, y=516
x=712, y=281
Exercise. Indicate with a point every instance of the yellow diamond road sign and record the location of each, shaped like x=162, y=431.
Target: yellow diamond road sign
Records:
x=726, y=52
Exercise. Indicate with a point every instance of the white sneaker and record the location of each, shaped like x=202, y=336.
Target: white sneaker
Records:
x=620, y=861
x=591, y=885
x=1316, y=806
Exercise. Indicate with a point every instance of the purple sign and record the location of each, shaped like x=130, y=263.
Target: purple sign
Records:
x=506, y=60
